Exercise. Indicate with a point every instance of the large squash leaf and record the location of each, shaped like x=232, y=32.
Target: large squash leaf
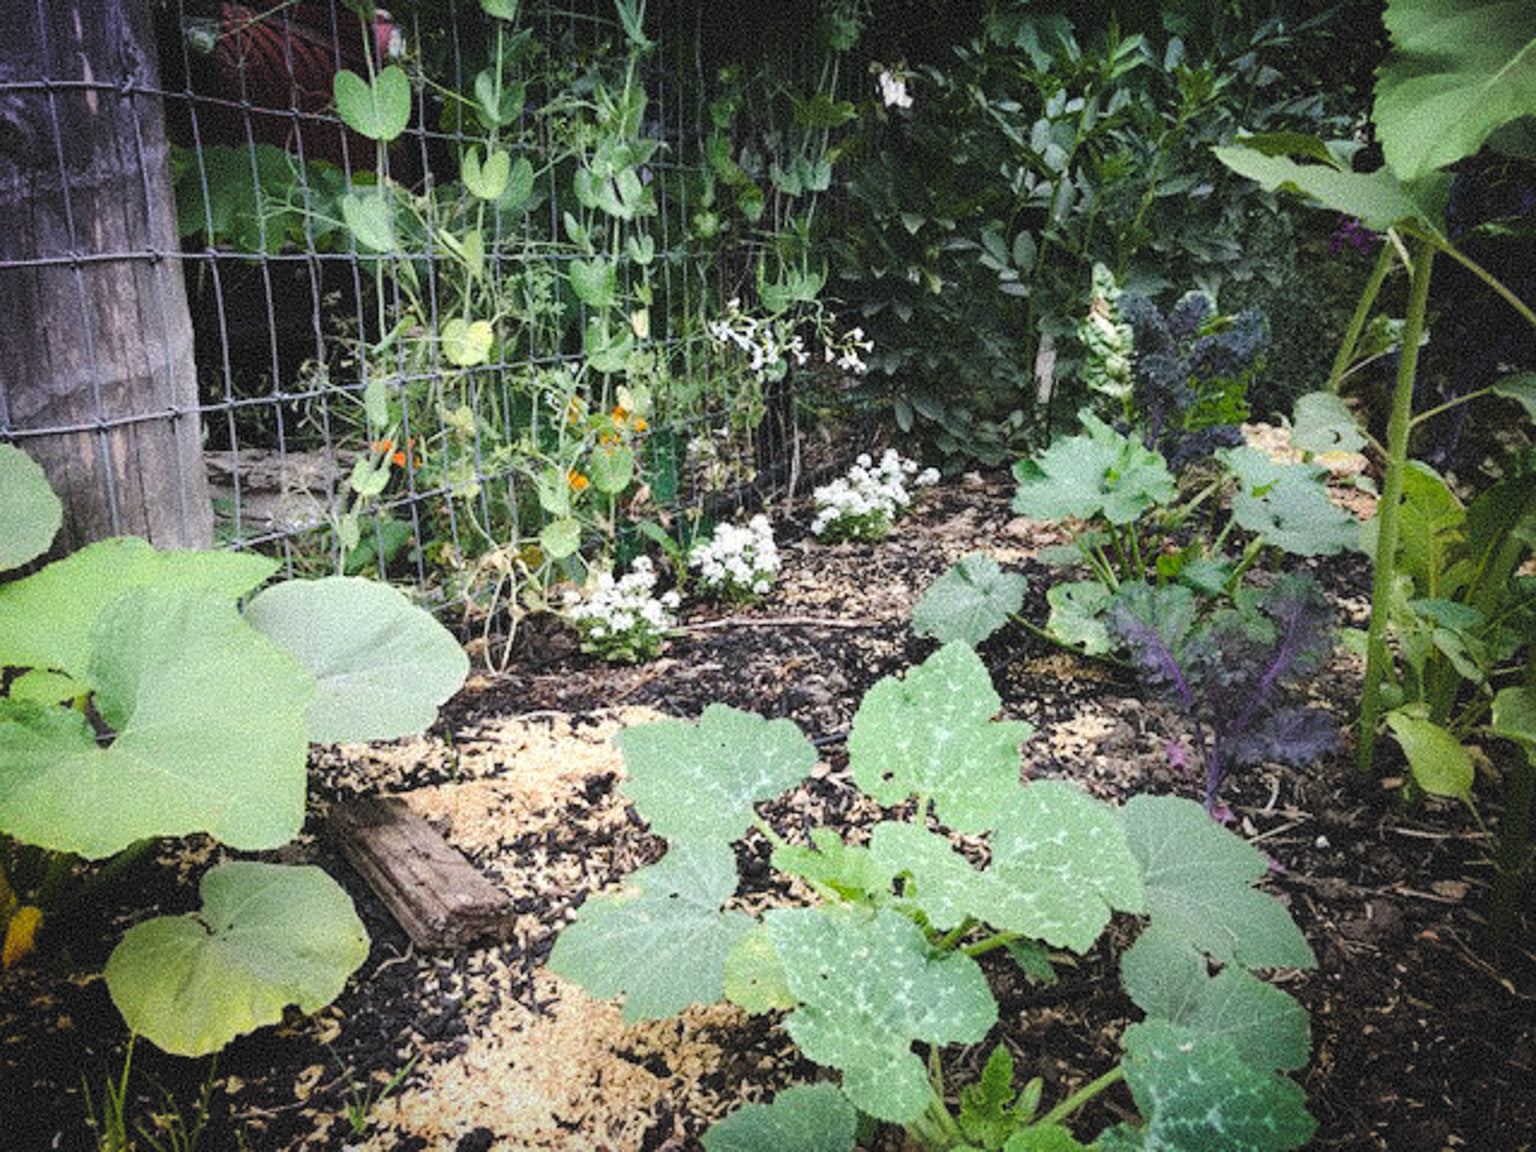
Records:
x=804, y=1118
x=208, y=733
x=383, y=665
x=30, y=514
x=268, y=935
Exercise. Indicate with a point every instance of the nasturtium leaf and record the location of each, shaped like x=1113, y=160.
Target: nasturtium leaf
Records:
x=1098, y=473
x=931, y=734
x=30, y=514
x=972, y=600
x=383, y=665
x=1198, y=878
x=868, y=989
x=1196, y=1091
x=804, y=1118
x=612, y=467
x=753, y=978
x=268, y=935
x=698, y=782
x=210, y=734
x=1170, y=980
x=1439, y=763
x=1288, y=504
x=379, y=111
x=560, y=538
x=663, y=946
x=1458, y=70
x=1063, y=863
x=46, y=619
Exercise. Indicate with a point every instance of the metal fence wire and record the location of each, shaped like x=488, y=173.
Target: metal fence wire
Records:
x=435, y=294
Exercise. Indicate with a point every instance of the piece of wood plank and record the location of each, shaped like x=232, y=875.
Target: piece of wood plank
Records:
x=437, y=896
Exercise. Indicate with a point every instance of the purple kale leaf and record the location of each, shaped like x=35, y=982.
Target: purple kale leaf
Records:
x=1235, y=671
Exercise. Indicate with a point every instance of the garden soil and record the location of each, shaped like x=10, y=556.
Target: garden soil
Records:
x=1422, y=1038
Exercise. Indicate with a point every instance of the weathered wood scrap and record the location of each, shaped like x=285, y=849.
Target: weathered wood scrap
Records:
x=434, y=893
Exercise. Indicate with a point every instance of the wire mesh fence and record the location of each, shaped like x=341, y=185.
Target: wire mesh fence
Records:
x=445, y=295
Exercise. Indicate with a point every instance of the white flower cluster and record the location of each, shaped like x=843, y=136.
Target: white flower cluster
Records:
x=621, y=620
x=739, y=561
x=863, y=504
x=768, y=349
x=893, y=89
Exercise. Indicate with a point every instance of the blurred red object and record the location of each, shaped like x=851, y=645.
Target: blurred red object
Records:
x=265, y=75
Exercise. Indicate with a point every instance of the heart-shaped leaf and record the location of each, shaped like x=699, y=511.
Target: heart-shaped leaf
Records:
x=379, y=111
x=268, y=935
x=595, y=282
x=490, y=181
x=369, y=216
x=467, y=343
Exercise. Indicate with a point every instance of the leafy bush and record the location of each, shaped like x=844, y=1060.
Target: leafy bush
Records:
x=886, y=959
x=142, y=703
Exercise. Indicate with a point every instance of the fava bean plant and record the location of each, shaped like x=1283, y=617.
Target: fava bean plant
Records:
x=143, y=702
x=878, y=978
x=1457, y=83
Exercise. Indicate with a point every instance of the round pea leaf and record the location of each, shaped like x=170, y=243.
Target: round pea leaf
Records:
x=268, y=935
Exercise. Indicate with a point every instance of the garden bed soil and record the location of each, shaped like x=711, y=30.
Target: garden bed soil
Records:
x=1422, y=1039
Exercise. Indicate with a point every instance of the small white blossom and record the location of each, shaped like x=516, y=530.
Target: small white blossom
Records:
x=620, y=620
x=893, y=90
x=863, y=504
x=739, y=561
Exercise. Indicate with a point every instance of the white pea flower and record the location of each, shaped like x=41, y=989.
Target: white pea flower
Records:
x=893, y=89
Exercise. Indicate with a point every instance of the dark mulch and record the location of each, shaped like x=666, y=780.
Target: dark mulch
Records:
x=1423, y=1039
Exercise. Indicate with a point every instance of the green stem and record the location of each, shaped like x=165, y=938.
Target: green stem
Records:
x=1510, y=857
x=1087, y=1092
x=1358, y=320
x=1384, y=575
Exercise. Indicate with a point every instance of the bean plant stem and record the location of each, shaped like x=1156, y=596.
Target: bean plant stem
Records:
x=1384, y=574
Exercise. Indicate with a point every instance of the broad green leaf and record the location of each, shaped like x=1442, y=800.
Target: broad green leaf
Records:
x=1377, y=198
x=1514, y=715
x=805, y=1118
x=383, y=665
x=972, y=600
x=868, y=989
x=1170, y=980
x=1077, y=615
x=268, y=935
x=936, y=880
x=1198, y=878
x=210, y=734
x=560, y=538
x=47, y=618
x=664, y=945
x=848, y=868
x=753, y=978
x=370, y=217
x=612, y=467
x=488, y=181
x=1458, y=71
x=1046, y=1138
x=519, y=185
x=1440, y=765
x=1288, y=504
x=931, y=734
x=467, y=343
x=553, y=486
x=1098, y=473
x=1324, y=423
x=1521, y=389
x=370, y=475
x=1063, y=863
x=696, y=782
x=379, y=111
x=595, y=282
x=1196, y=1091
x=30, y=514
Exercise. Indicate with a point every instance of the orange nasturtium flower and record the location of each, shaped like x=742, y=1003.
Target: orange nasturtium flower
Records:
x=396, y=455
x=576, y=480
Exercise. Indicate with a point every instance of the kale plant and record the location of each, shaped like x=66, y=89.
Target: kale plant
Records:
x=1233, y=670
